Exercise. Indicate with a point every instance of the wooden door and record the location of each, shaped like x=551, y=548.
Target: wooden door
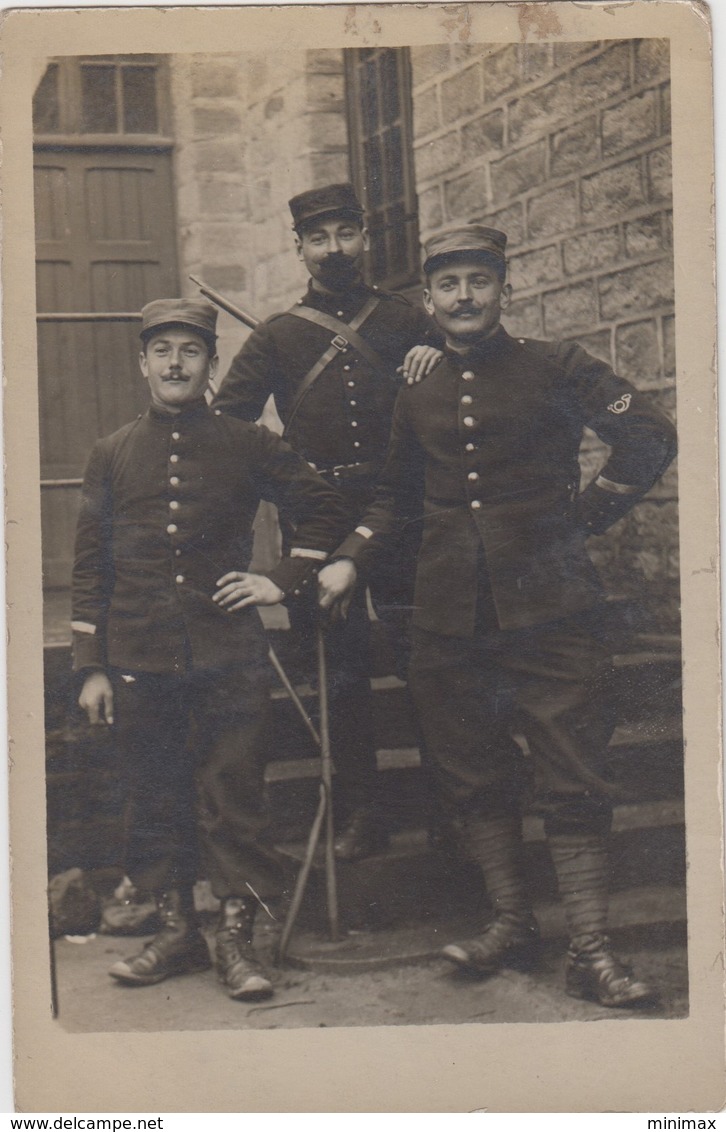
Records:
x=105, y=245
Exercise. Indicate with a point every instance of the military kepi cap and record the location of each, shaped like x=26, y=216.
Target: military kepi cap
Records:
x=326, y=201
x=467, y=238
x=195, y=313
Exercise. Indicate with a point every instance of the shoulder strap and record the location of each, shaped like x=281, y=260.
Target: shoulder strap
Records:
x=345, y=334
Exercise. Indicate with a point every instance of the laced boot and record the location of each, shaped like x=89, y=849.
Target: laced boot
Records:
x=507, y=942
x=593, y=972
x=238, y=967
x=363, y=835
x=178, y=949
x=512, y=939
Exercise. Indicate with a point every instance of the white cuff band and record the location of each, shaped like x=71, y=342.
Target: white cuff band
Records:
x=83, y=627
x=300, y=552
x=616, y=488
x=365, y=531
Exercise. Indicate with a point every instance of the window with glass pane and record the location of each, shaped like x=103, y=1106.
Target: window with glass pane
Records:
x=46, y=102
x=99, y=102
x=138, y=93
x=378, y=95
x=102, y=95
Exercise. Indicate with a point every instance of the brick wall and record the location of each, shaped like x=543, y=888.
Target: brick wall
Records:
x=566, y=148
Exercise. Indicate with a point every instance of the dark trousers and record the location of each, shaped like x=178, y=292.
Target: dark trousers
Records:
x=192, y=749
x=348, y=649
x=544, y=681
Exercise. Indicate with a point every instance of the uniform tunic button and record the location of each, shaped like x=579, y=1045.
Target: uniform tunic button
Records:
x=473, y=476
x=340, y=314
x=346, y=369
x=174, y=505
x=217, y=412
x=351, y=385
x=469, y=447
x=356, y=443
x=468, y=376
x=172, y=529
x=179, y=579
x=175, y=436
x=174, y=481
x=174, y=459
x=177, y=552
x=521, y=341
x=354, y=424
x=354, y=403
x=475, y=504
x=469, y=422
x=466, y=399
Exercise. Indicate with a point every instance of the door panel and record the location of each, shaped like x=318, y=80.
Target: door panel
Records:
x=105, y=243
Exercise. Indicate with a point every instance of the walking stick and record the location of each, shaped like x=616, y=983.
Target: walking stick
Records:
x=331, y=886
x=287, y=684
x=324, y=810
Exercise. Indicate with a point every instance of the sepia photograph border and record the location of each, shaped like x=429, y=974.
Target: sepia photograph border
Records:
x=631, y=1065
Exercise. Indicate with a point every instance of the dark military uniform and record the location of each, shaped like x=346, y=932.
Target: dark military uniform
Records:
x=508, y=606
x=341, y=427
x=509, y=624
x=167, y=509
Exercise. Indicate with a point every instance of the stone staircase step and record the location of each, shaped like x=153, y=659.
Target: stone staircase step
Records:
x=411, y=882
x=84, y=798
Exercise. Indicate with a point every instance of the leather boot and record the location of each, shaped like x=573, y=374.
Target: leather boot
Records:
x=593, y=972
x=362, y=836
x=178, y=949
x=507, y=942
x=238, y=967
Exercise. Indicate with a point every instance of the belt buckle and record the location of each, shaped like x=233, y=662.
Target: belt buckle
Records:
x=340, y=342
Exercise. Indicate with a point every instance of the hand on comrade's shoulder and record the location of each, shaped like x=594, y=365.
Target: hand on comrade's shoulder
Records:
x=418, y=363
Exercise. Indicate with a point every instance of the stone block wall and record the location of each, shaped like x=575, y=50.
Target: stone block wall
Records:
x=251, y=130
x=567, y=148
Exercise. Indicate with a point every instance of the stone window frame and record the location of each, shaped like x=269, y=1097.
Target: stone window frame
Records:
x=392, y=213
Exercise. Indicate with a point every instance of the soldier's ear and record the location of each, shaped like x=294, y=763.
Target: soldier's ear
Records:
x=213, y=367
x=366, y=239
x=143, y=364
x=506, y=296
x=298, y=248
x=428, y=301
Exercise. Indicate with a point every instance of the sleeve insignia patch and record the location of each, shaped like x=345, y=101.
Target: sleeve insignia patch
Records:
x=621, y=405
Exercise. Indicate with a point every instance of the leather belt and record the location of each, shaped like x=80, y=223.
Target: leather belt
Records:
x=360, y=468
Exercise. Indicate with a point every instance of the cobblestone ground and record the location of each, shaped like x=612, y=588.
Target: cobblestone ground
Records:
x=423, y=993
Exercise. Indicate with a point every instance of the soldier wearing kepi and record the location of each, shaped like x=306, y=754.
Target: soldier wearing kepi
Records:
x=509, y=614
x=165, y=633
x=331, y=363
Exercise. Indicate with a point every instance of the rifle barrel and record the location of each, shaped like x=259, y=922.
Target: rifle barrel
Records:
x=219, y=300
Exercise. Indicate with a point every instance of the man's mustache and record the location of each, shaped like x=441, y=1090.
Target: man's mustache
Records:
x=337, y=261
